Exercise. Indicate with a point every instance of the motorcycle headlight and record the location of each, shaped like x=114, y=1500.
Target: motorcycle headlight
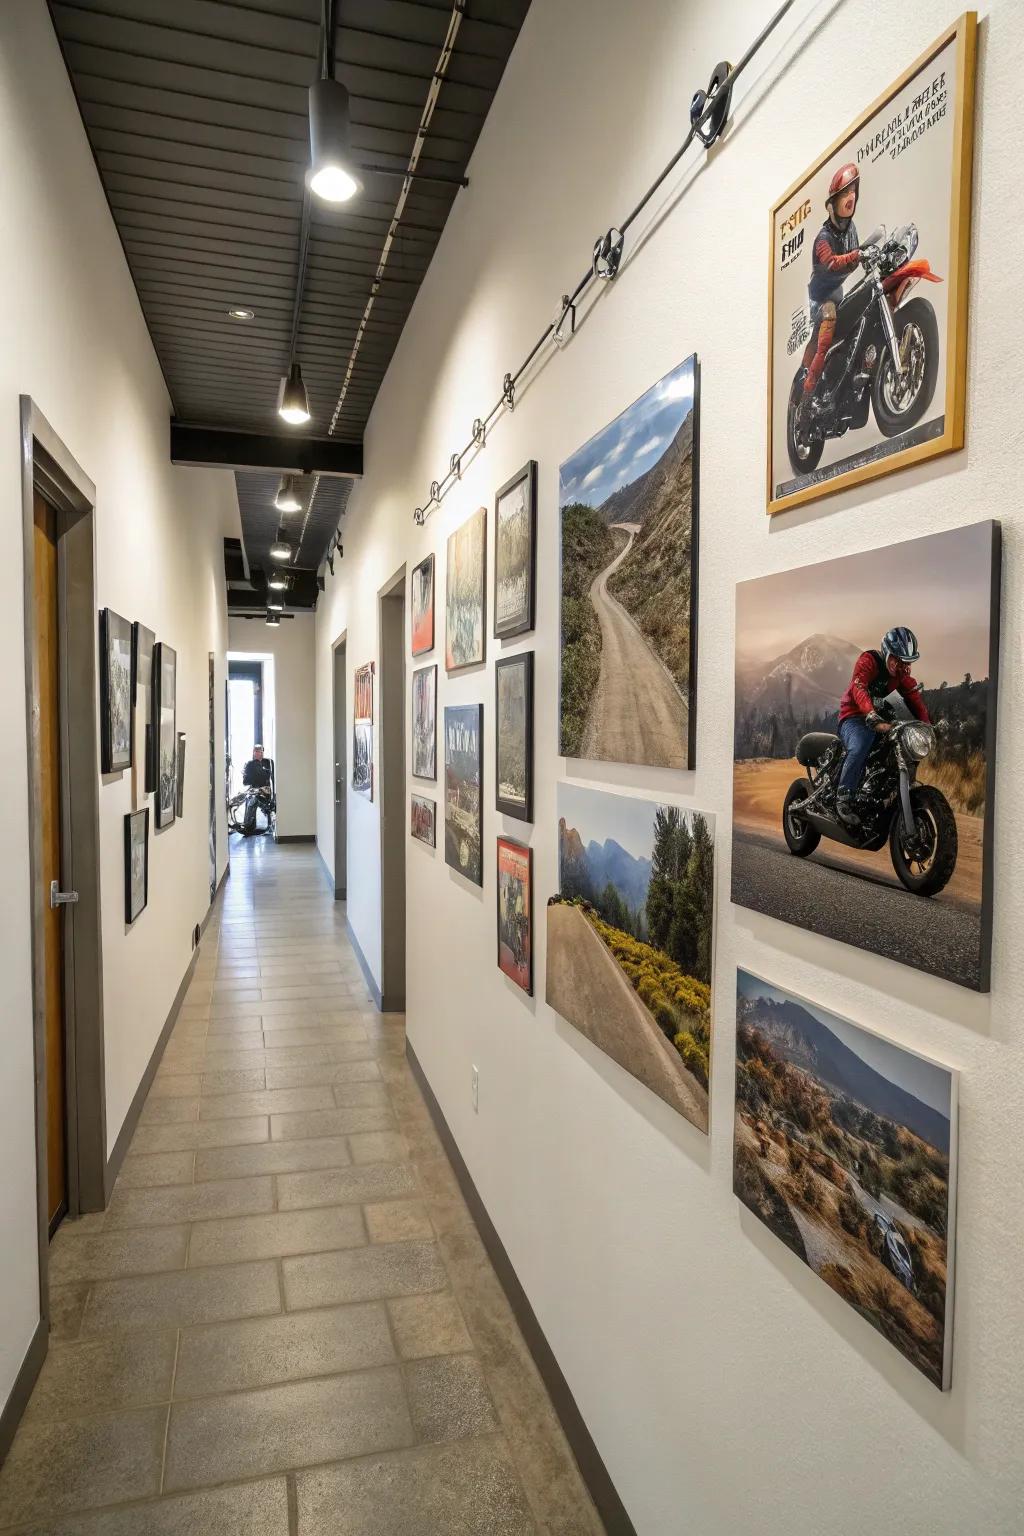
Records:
x=917, y=740
x=911, y=239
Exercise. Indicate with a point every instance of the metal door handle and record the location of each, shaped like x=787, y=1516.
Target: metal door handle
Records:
x=59, y=898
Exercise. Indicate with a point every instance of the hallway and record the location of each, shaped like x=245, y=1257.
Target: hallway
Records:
x=285, y=1322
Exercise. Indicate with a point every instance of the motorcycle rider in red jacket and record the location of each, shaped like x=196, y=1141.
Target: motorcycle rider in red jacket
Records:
x=876, y=674
x=835, y=254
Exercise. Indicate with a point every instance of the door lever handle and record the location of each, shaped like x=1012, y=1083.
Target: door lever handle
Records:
x=59, y=898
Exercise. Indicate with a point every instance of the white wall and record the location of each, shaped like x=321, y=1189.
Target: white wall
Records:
x=727, y=1388
x=291, y=643
x=74, y=339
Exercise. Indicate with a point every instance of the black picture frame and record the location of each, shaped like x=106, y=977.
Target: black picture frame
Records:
x=521, y=809
x=131, y=822
x=429, y=808
x=165, y=734
x=421, y=645
x=115, y=692
x=424, y=765
x=463, y=830
x=526, y=476
x=522, y=974
x=143, y=643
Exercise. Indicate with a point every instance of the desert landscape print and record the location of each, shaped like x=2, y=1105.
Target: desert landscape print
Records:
x=628, y=510
x=845, y=1147
x=630, y=938
x=798, y=636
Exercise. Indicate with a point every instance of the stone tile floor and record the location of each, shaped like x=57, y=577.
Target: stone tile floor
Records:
x=285, y=1323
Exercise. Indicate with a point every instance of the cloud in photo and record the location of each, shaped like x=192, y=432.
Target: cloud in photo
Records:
x=594, y=471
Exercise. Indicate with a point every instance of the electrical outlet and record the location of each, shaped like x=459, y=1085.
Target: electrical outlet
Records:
x=475, y=1090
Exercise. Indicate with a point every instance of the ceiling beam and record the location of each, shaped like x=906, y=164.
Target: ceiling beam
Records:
x=280, y=451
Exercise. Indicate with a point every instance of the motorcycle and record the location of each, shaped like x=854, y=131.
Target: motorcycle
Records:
x=884, y=354
x=915, y=819
x=242, y=809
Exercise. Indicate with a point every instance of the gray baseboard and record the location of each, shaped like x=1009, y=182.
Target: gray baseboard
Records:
x=296, y=837
x=592, y=1468
x=220, y=886
x=10, y=1416
x=337, y=891
x=368, y=976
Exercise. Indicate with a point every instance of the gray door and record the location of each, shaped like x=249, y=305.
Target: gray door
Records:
x=393, y=811
x=340, y=774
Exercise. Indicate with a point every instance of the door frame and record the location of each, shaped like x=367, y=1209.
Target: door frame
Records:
x=340, y=644
x=47, y=468
x=392, y=995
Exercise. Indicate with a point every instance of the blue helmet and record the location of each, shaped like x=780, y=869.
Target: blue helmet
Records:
x=901, y=643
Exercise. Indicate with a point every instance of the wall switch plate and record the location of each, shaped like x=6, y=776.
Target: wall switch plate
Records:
x=475, y=1090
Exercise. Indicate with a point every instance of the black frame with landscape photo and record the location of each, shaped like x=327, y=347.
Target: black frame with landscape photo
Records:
x=114, y=630
x=165, y=735
x=143, y=642
x=131, y=823
x=524, y=616
x=518, y=968
x=521, y=807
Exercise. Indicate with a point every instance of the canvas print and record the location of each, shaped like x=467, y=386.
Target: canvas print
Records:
x=116, y=691
x=628, y=628
x=463, y=789
x=421, y=593
x=515, y=912
x=465, y=593
x=364, y=692
x=869, y=272
x=143, y=771
x=424, y=723
x=515, y=534
x=362, y=757
x=864, y=749
x=845, y=1147
x=422, y=820
x=165, y=675
x=513, y=735
x=136, y=863
x=631, y=938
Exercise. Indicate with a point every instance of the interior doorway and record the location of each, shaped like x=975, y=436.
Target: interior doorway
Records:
x=391, y=758
x=340, y=695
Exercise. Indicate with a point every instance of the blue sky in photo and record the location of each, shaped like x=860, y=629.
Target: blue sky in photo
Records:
x=629, y=445
x=598, y=815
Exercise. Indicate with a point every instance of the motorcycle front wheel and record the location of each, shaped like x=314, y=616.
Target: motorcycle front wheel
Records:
x=928, y=867
x=900, y=403
x=801, y=837
x=804, y=452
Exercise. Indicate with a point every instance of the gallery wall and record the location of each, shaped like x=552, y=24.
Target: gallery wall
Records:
x=75, y=341
x=716, y=1373
x=291, y=644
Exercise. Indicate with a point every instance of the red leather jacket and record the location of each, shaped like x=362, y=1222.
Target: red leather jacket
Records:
x=872, y=682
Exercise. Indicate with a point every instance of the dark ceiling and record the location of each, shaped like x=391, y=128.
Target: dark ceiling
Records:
x=197, y=115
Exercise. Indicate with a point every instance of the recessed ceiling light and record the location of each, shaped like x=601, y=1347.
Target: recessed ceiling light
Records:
x=242, y=314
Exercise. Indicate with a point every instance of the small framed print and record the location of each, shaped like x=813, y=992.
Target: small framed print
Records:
x=424, y=723
x=515, y=912
x=466, y=594
x=364, y=692
x=165, y=685
x=136, y=863
x=515, y=554
x=143, y=772
x=362, y=758
x=513, y=741
x=116, y=692
x=867, y=325
x=423, y=820
x=421, y=598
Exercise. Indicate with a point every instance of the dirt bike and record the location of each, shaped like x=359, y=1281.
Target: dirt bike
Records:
x=884, y=354
x=915, y=819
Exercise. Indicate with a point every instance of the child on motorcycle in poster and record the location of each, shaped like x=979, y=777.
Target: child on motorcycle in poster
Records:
x=835, y=255
x=876, y=674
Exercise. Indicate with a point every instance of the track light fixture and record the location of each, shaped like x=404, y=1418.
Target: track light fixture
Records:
x=275, y=605
x=287, y=498
x=280, y=549
x=294, y=407
x=273, y=618
x=333, y=175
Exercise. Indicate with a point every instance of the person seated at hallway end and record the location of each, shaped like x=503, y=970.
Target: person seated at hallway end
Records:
x=257, y=774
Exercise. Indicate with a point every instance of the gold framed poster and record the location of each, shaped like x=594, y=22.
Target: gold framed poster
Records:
x=867, y=307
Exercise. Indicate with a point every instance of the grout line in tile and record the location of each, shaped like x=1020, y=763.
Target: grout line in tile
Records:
x=167, y=1425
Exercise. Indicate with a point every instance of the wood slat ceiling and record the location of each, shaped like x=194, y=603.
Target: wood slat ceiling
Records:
x=197, y=116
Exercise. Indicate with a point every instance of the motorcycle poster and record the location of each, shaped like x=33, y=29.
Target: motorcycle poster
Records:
x=868, y=288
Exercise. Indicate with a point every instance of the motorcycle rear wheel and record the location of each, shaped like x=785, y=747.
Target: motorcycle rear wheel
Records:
x=926, y=876
x=801, y=837
x=892, y=414
x=804, y=454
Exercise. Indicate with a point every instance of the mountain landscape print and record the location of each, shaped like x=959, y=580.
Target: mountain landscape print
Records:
x=630, y=938
x=628, y=519
x=800, y=634
x=845, y=1147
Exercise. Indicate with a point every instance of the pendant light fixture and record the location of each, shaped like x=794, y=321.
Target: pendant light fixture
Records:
x=275, y=605
x=280, y=549
x=333, y=175
x=294, y=407
x=278, y=581
x=287, y=498
x=273, y=618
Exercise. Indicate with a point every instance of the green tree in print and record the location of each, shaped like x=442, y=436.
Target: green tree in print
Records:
x=679, y=896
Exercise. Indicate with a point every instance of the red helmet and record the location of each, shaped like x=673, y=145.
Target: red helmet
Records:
x=847, y=176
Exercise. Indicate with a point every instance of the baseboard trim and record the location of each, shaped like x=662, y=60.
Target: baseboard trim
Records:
x=220, y=886
x=11, y=1413
x=592, y=1468
x=368, y=976
x=296, y=837
x=131, y=1119
x=337, y=891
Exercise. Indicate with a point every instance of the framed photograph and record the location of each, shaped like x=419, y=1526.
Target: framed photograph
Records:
x=515, y=554
x=463, y=789
x=424, y=723
x=864, y=749
x=115, y=692
x=515, y=912
x=364, y=692
x=423, y=819
x=867, y=318
x=362, y=758
x=143, y=769
x=421, y=597
x=628, y=625
x=631, y=938
x=165, y=682
x=465, y=594
x=136, y=863
x=845, y=1146
x=179, y=776
x=513, y=735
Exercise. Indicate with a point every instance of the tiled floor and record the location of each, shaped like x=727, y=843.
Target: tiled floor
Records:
x=285, y=1324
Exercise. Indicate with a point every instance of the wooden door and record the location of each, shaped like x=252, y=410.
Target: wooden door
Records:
x=47, y=651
